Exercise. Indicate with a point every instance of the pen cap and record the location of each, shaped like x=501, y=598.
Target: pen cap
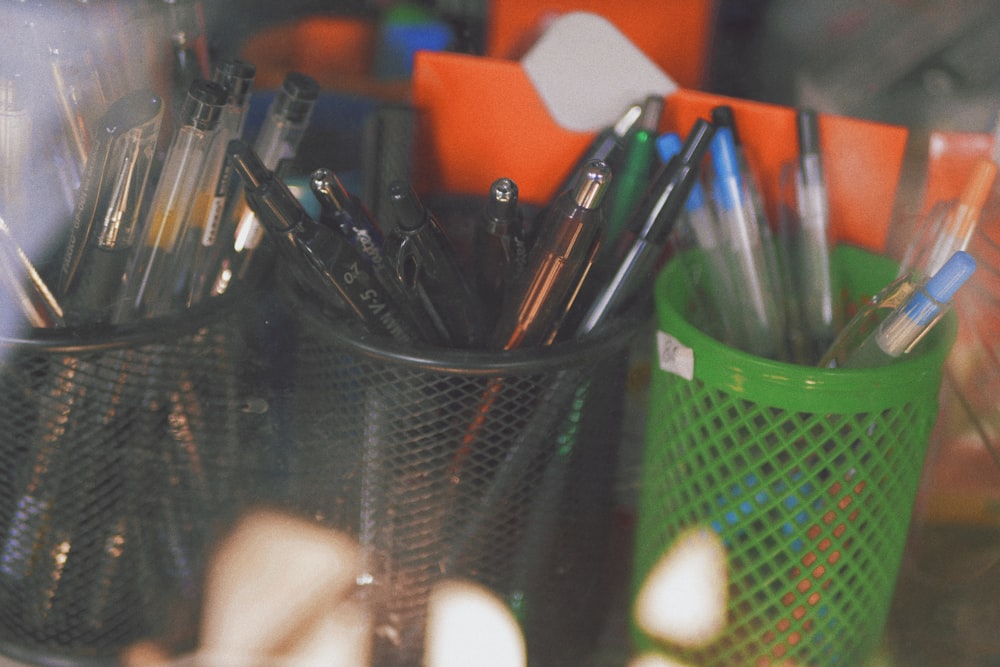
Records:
x=592, y=184
x=925, y=304
x=204, y=103
x=722, y=116
x=237, y=77
x=297, y=97
x=725, y=167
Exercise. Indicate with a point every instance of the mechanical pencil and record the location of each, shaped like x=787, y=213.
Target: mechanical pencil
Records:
x=323, y=260
x=650, y=227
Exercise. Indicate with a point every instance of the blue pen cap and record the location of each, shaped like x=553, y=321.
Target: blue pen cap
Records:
x=941, y=288
x=726, y=169
x=668, y=145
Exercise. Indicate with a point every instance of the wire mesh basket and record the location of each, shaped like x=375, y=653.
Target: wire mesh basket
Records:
x=445, y=463
x=122, y=454
x=807, y=475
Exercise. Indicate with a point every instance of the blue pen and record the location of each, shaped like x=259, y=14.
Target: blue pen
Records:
x=760, y=331
x=701, y=222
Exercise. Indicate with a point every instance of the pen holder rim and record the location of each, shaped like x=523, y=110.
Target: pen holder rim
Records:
x=98, y=337
x=748, y=374
x=616, y=334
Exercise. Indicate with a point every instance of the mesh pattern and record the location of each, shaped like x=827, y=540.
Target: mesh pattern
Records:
x=504, y=475
x=120, y=461
x=813, y=510
x=809, y=480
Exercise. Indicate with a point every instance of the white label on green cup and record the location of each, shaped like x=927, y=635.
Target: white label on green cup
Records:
x=675, y=357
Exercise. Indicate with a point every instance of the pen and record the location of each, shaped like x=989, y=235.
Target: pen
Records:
x=206, y=235
x=282, y=131
x=500, y=248
x=151, y=286
x=184, y=27
x=108, y=207
x=932, y=248
x=908, y=323
x=818, y=301
x=30, y=291
x=759, y=319
x=637, y=164
x=568, y=239
x=15, y=147
x=608, y=146
x=650, y=227
x=421, y=259
x=700, y=221
x=346, y=214
x=323, y=259
x=387, y=154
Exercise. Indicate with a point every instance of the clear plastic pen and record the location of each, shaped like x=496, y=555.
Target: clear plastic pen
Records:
x=205, y=235
x=818, y=296
x=152, y=282
x=759, y=317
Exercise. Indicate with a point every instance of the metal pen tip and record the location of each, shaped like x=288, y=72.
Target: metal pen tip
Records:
x=327, y=187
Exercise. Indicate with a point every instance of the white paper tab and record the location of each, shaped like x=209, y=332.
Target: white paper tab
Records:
x=674, y=356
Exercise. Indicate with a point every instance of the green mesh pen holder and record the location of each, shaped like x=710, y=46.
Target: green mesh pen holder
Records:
x=807, y=475
x=123, y=453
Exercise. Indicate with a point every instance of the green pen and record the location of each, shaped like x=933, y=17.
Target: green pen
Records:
x=637, y=166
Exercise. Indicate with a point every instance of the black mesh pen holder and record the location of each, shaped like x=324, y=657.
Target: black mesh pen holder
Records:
x=498, y=468
x=122, y=454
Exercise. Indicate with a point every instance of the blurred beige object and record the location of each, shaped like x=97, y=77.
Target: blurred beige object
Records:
x=683, y=600
x=653, y=660
x=285, y=588
x=468, y=626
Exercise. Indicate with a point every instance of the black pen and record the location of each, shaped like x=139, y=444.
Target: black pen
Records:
x=500, y=248
x=421, y=259
x=607, y=147
x=321, y=256
x=346, y=214
x=650, y=226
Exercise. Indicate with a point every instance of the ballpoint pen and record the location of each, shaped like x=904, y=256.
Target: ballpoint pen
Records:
x=699, y=222
x=206, y=237
x=420, y=258
x=906, y=324
x=559, y=261
x=185, y=29
x=282, y=131
x=500, y=249
x=108, y=207
x=633, y=177
x=387, y=154
x=608, y=146
x=649, y=228
x=759, y=319
x=345, y=213
x=818, y=299
x=152, y=283
x=31, y=293
x=323, y=259
x=943, y=235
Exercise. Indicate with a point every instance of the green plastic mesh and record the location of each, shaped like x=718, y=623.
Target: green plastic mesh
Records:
x=807, y=475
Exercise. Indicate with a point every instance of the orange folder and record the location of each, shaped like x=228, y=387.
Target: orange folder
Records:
x=481, y=118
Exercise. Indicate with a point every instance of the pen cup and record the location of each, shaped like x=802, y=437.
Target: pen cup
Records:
x=444, y=463
x=123, y=452
x=807, y=476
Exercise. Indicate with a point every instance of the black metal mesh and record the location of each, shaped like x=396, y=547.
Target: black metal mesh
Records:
x=498, y=468
x=120, y=460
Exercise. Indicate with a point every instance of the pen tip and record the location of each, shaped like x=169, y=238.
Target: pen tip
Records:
x=409, y=211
